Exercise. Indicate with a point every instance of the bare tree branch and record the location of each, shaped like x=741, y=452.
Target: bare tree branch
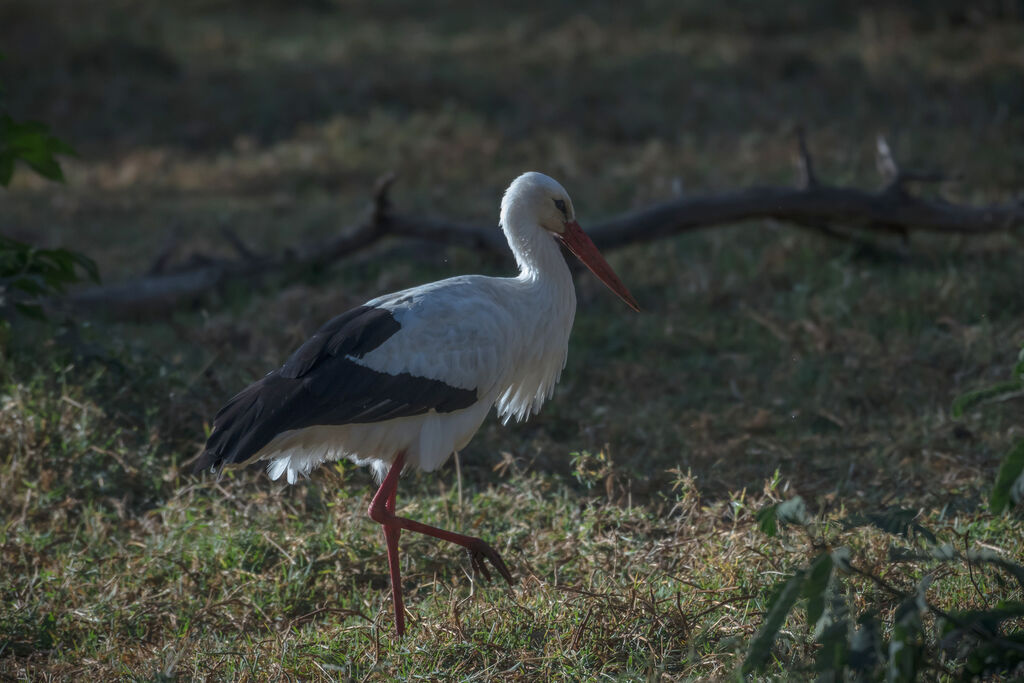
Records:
x=165, y=254
x=814, y=206
x=884, y=160
x=806, y=165
x=243, y=249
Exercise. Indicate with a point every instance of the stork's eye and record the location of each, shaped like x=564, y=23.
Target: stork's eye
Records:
x=560, y=205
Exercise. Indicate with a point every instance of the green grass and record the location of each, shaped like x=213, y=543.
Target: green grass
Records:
x=769, y=362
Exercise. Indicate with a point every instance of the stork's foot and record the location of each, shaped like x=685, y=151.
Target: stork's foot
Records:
x=480, y=553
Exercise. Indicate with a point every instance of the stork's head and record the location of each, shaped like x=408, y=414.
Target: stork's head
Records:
x=546, y=197
x=542, y=201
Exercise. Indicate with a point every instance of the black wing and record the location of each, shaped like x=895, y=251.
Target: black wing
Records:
x=321, y=385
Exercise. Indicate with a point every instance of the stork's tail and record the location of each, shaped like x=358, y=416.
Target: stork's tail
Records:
x=235, y=438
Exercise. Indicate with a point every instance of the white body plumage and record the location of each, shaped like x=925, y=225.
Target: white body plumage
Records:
x=505, y=338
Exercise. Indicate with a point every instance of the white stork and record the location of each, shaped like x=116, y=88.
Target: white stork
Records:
x=406, y=379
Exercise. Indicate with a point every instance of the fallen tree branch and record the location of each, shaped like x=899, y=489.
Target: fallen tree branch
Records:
x=148, y=295
x=814, y=205
x=892, y=210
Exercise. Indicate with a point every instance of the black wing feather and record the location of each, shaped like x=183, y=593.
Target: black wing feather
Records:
x=321, y=385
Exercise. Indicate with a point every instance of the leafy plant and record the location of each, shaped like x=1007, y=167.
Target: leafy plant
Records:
x=32, y=143
x=992, y=392
x=968, y=643
x=975, y=642
x=29, y=275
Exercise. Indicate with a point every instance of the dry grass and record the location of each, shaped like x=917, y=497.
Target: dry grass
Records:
x=241, y=579
x=770, y=363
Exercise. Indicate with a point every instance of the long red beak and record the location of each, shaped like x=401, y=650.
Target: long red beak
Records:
x=585, y=250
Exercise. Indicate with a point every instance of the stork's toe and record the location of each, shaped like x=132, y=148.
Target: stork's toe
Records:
x=480, y=553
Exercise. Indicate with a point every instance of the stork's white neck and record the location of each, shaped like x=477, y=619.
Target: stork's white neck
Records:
x=535, y=249
x=545, y=295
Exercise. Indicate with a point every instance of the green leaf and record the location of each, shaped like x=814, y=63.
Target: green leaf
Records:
x=30, y=310
x=841, y=559
x=86, y=264
x=56, y=266
x=43, y=163
x=986, y=621
x=973, y=398
x=1001, y=657
x=899, y=521
x=906, y=642
x=986, y=556
x=30, y=284
x=28, y=275
x=834, y=649
x=816, y=586
x=32, y=143
x=942, y=553
x=828, y=615
x=904, y=653
x=766, y=520
x=6, y=168
x=865, y=645
x=792, y=511
x=1010, y=480
x=786, y=594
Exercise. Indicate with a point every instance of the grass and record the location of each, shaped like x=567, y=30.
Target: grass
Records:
x=769, y=363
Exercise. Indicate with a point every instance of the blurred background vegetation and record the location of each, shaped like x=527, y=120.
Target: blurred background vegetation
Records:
x=769, y=361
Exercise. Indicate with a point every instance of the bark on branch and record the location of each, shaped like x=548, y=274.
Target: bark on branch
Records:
x=815, y=205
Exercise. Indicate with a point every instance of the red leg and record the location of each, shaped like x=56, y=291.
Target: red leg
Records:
x=391, y=535
x=382, y=510
x=478, y=549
